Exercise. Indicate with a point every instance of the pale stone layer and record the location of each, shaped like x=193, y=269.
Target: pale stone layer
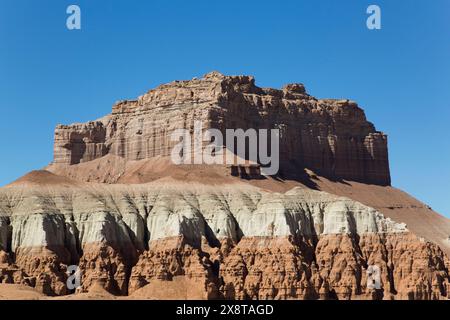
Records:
x=233, y=241
x=133, y=216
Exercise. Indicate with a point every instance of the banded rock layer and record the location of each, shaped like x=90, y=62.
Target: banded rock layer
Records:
x=233, y=241
x=136, y=225
x=331, y=137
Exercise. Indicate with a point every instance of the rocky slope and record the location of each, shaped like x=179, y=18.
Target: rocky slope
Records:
x=137, y=225
x=233, y=241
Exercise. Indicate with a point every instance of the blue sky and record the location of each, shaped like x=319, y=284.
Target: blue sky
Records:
x=400, y=74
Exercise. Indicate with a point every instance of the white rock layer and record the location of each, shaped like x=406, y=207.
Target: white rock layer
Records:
x=131, y=217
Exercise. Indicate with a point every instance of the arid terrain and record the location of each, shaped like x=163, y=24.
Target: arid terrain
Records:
x=140, y=227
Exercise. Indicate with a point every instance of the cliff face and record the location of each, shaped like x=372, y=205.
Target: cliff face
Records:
x=233, y=241
x=331, y=137
x=113, y=204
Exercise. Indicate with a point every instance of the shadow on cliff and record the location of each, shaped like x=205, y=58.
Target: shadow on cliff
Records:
x=305, y=176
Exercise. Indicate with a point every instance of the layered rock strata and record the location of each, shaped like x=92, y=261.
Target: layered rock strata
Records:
x=235, y=241
x=331, y=137
x=135, y=224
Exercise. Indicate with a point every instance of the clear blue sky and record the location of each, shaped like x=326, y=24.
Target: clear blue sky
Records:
x=400, y=75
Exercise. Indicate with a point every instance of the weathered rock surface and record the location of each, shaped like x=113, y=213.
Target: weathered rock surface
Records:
x=137, y=225
x=331, y=137
x=233, y=241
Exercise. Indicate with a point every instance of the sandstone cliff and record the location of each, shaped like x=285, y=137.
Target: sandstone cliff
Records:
x=331, y=137
x=139, y=226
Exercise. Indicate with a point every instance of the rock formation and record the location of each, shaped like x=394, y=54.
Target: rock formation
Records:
x=233, y=241
x=137, y=225
x=331, y=137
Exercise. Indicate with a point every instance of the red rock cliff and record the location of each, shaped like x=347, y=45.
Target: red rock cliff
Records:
x=331, y=137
